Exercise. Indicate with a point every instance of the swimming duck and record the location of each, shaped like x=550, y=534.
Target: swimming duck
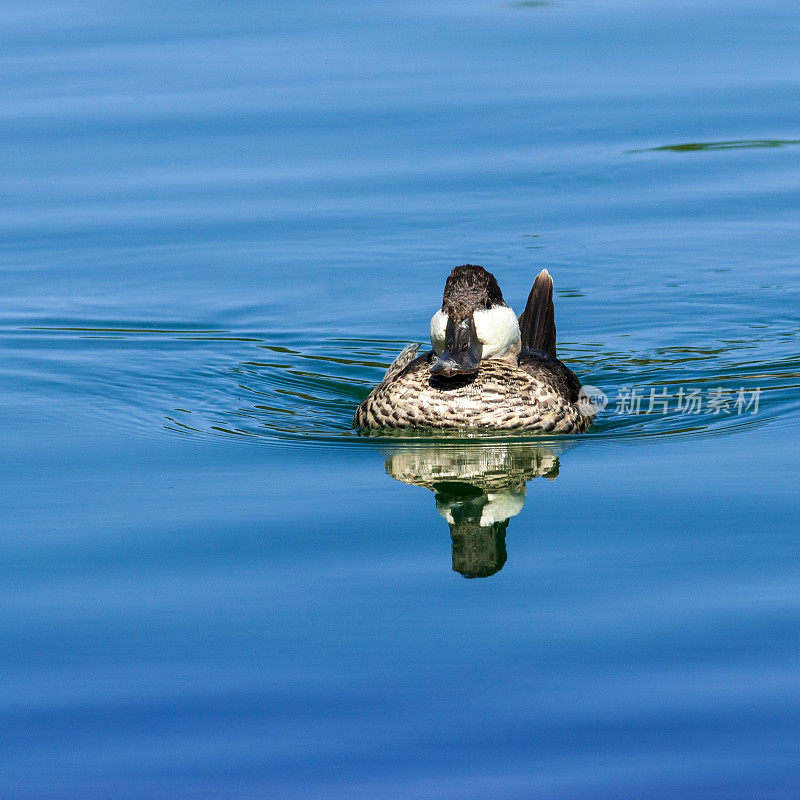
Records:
x=487, y=369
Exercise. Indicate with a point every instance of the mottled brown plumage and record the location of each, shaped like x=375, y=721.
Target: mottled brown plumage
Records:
x=540, y=393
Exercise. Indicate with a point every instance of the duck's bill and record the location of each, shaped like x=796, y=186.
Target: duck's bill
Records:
x=462, y=353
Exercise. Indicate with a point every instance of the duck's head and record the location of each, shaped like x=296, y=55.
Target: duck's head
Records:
x=474, y=323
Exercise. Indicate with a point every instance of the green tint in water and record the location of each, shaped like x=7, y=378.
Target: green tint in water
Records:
x=310, y=393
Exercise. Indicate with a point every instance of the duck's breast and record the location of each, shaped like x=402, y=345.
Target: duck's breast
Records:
x=500, y=395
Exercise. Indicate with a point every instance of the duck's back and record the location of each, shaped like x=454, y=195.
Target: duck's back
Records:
x=539, y=393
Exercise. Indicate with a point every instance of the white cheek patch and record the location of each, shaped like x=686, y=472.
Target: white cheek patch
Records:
x=438, y=330
x=497, y=328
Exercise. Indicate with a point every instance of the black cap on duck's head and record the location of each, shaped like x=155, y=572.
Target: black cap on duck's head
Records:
x=473, y=324
x=469, y=288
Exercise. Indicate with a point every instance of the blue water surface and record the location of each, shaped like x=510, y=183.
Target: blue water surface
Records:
x=220, y=223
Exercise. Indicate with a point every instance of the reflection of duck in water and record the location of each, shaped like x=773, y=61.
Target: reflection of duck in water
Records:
x=486, y=370
x=478, y=489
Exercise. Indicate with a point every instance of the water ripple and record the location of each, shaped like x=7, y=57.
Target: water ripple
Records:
x=202, y=381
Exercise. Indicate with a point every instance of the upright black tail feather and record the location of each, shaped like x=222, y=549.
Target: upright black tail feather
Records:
x=537, y=323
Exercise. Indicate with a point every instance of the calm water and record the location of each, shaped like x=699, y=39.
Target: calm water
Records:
x=220, y=222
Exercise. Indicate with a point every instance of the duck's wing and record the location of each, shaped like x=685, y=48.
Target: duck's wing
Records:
x=537, y=323
x=406, y=356
x=552, y=372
